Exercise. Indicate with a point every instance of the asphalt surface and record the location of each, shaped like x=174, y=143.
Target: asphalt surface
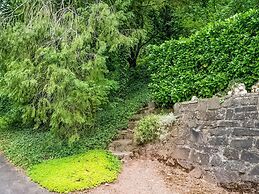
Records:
x=15, y=182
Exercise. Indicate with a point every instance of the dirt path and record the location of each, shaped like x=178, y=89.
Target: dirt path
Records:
x=151, y=177
x=137, y=177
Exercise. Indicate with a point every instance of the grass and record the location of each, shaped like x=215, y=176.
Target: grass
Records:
x=78, y=172
x=25, y=147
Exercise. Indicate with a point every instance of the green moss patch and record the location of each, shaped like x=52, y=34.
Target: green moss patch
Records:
x=78, y=172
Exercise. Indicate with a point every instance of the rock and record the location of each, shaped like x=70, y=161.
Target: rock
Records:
x=224, y=176
x=255, y=88
x=195, y=98
x=231, y=154
x=188, y=166
x=121, y=145
x=170, y=162
x=250, y=157
x=196, y=173
x=125, y=134
x=123, y=155
x=242, y=143
x=151, y=105
x=238, y=89
x=216, y=161
x=255, y=171
x=137, y=117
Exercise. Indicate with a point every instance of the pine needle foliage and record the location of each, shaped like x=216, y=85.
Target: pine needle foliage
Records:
x=53, y=65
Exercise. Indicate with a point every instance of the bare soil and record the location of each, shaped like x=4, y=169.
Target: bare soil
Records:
x=151, y=177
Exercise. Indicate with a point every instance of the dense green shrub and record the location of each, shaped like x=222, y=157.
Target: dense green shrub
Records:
x=204, y=64
x=153, y=127
x=146, y=129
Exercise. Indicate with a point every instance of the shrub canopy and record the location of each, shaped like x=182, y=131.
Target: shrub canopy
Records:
x=204, y=64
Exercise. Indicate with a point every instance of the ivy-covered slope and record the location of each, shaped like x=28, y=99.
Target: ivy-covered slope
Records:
x=27, y=147
x=205, y=63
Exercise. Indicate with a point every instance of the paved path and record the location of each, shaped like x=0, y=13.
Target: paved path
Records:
x=15, y=182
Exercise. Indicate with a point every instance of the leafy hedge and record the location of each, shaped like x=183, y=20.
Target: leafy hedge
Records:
x=205, y=63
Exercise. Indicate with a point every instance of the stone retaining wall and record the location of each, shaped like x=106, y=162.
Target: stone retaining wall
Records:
x=221, y=135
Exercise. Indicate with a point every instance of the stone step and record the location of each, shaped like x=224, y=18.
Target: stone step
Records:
x=125, y=134
x=137, y=117
x=123, y=155
x=122, y=145
x=132, y=124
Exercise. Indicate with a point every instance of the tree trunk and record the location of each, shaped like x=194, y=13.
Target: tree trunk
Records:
x=134, y=53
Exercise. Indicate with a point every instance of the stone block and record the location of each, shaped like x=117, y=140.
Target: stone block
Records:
x=221, y=114
x=246, y=116
x=189, y=106
x=248, y=99
x=246, y=109
x=225, y=176
x=237, y=166
x=248, y=124
x=221, y=131
x=240, y=132
x=209, y=177
x=177, y=108
x=213, y=104
x=186, y=165
x=216, y=161
x=210, y=124
x=211, y=115
x=235, y=101
x=196, y=173
x=202, y=106
x=228, y=124
x=200, y=115
x=242, y=144
x=181, y=153
x=227, y=102
x=257, y=144
x=251, y=157
x=230, y=114
x=210, y=150
x=257, y=124
x=251, y=100
x=231, y=154
x=200, y=158
x=218, y=141
x=255, y=171
x=192, y=124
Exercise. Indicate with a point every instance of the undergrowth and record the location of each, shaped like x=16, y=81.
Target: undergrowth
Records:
x=25, y=147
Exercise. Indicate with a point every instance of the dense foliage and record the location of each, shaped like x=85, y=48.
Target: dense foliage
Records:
x=60, y=60
x=26, y=147
x=68, y=69
x=76, y=172
x=57, y=74
x=195, y=14
x=204, y=64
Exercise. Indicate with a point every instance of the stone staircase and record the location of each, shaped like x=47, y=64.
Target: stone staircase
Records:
x=123, y=146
